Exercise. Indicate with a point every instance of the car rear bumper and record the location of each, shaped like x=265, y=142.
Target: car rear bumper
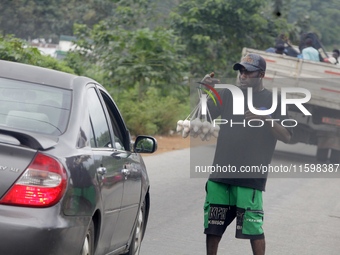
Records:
x=40, y=231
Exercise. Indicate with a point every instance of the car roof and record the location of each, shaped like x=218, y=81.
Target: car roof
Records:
x=34, y=74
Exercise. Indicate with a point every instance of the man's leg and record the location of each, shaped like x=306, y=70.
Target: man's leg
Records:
x=250, y=218
x=219, y=212
x=258, y=246
x=212, y=244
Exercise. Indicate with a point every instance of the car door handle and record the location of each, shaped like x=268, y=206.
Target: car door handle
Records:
x=101, y=170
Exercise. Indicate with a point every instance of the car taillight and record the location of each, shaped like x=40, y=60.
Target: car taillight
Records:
x=41, y=185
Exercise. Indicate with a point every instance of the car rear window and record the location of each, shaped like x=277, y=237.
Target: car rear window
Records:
x=34, y=107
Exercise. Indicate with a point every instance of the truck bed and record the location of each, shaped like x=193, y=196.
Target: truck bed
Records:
x=321, y=79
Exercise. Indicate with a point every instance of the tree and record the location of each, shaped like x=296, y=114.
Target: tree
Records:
x=141, y=67
x=317, y=16
x=50, y=19
x=215, y=31
x=131, y=54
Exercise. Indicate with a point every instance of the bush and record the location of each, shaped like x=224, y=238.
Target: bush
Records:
x=154, y=114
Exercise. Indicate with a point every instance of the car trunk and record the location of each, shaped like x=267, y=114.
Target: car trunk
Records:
x=14, y=159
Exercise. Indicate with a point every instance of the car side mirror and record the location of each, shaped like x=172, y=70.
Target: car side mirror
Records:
x=145, y=144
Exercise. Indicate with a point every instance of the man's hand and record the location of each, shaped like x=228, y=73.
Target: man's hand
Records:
x=209, y=79
x=207, y=76
x=250, y=116
x=279, y=132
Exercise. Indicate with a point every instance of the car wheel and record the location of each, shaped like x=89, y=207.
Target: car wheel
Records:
x=88, y=245
x=335, y=156
x=138, y=233
x=322, y=155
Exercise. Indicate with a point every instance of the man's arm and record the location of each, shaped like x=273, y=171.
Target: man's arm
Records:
x=279, y=132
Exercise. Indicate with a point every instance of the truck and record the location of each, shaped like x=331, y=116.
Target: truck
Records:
x=322, y=128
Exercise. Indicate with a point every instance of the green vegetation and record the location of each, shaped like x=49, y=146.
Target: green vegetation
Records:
x=215, y=31
x=17, y=50
x=50, y=19
x=144, y=51
x=321, y=17
x=142, y=68
x=139, y=57
x=155, y=114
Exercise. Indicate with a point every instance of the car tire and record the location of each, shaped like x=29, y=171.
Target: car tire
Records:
x=88, y=245
x=335, y=157
x=322, y=155
x=138, y=234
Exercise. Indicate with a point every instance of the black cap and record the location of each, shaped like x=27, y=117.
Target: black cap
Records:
x=252, y=62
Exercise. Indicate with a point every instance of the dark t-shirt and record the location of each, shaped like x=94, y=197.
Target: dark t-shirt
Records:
x=241, y=147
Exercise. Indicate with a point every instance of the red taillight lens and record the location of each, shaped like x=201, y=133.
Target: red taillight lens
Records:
x=41, y=185
x=331, y=121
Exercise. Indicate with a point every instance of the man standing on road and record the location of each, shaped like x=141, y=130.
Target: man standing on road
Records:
x=229, y=196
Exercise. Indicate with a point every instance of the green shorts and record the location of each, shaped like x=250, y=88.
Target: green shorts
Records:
x=224, y=202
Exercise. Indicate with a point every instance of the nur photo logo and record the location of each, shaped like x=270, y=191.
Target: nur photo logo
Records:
x=200, y=123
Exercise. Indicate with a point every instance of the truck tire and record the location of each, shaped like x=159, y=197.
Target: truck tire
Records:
x=335, y=156
x=322, y=155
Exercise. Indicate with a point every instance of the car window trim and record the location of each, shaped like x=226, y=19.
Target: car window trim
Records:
x=93, y=85
x=105, y=149
x=119, y=119
x=92, y=130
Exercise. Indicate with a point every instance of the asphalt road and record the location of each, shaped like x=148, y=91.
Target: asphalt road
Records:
x=302, y=215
